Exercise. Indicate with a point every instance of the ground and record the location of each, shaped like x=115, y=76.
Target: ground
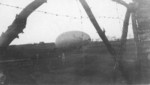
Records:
x=90, y=65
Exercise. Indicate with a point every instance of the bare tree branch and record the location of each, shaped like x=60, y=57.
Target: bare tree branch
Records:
x=19, y=23
x=98, y=28
x=124, y=32
x=123, y=47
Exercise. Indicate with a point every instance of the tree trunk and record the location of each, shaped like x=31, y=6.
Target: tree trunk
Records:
x=142, y=16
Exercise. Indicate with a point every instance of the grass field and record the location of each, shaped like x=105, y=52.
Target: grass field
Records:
x=90, y=65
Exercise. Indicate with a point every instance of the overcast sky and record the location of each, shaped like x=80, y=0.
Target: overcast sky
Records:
x=58, y=16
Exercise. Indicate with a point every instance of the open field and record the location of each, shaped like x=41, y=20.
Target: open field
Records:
x=44, y=65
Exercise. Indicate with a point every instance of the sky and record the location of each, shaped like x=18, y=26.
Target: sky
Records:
x=51, y=19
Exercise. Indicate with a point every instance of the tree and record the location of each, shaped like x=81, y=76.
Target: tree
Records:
x=141, y=29
x=141, y=16
x=17, y=27
x=117, y=56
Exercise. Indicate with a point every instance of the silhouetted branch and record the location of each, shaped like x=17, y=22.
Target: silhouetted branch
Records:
x=122, y=47
x=124, y=32
x=98, y=28
x=19, y=23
